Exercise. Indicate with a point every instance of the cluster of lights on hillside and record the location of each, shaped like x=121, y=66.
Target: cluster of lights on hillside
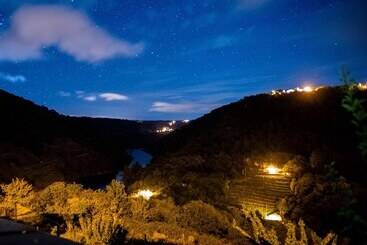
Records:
x=169, y=128
x=306, y=89
x=362, y=86
x=164, y=130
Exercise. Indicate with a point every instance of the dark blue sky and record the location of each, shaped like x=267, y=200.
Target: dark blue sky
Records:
x=164, y=59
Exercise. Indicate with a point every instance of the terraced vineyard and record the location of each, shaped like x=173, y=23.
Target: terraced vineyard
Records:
x=259, y=190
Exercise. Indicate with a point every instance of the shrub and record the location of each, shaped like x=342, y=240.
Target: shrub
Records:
x=203, y=218
x=56, y=197
x=162, y=210
x=262, y=233
x=18, y=192
x=139, y=208
x=117, y=198
x=96, y=229
x=99, y=229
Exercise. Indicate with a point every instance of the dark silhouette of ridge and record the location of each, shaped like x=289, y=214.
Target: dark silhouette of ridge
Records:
x=43, y=146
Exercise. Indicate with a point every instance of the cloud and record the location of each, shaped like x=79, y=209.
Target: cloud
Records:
x=170, y=107
x=251, y=4
x=12, y=78
x=89, y=98
x=96, y=96
x=113, y=96
x=84, y=96
x=64, y=94
x=166, y=107
x=36, y=27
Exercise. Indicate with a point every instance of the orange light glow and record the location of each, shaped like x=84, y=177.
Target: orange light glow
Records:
x=362, y=86
x=271, y=169
x=307, y=89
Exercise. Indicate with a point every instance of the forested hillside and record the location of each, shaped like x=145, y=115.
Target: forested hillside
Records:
x=307, y=136
x=297, y=123
x=43, y=146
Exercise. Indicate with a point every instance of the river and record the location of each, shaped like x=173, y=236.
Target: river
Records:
x=138, y=156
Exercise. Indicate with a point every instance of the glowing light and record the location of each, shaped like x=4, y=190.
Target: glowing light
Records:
x=362, y=86
x=146, y=194
x=272, y=169
x=164, y=130
x=172, y=123
x=306, y=89
x=273, y=217
x=186, y=121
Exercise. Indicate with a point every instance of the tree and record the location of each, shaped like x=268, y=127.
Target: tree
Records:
x=18, y=192
x=355, y=106
x=117, y=197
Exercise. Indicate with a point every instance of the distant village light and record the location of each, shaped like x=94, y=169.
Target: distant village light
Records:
x=164, y=130
x=273, y=217
x=307, y=89
x=362, y=86
x=271, y=169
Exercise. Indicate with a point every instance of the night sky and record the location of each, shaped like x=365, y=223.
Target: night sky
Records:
x=162, y=59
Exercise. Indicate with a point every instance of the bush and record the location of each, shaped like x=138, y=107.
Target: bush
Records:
x=203, y=218
x=96, y=229
x=162, y=210
x=139, y=208
x=56, y=197
x=117, y=198
x=18, y=192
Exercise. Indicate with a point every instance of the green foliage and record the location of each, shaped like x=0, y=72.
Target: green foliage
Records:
x=355, y=105
x=326, y=196
x=352, y=224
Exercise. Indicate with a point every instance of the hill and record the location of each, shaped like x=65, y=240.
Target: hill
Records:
x=43, y=146
x=223, y=158
x=298, y=123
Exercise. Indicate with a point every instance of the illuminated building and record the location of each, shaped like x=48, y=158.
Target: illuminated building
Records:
x=273, y=217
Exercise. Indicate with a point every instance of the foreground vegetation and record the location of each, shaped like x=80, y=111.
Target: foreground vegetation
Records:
x=112, y=216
